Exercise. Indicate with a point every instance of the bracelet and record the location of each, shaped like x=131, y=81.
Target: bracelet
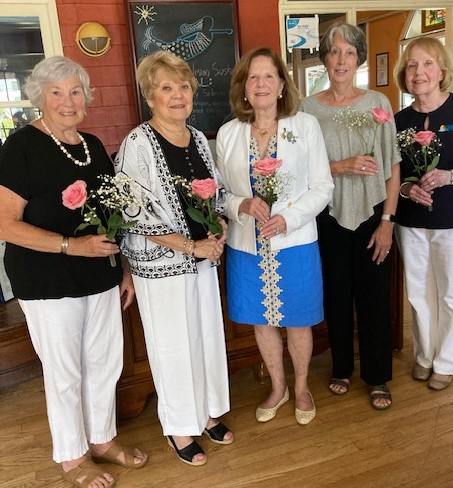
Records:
x=402, y=195
x=191, y=249
x=64, y=245
x=184, y=245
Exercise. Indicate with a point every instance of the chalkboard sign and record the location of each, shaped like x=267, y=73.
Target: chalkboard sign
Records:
x=204, y=34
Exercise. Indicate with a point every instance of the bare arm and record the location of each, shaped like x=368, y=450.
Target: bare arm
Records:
x=15, y=231
x=209, y=248
x=383, y=236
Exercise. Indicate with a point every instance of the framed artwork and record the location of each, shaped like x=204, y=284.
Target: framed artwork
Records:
x=205, y=34
x=382, y=69
x=433, y=20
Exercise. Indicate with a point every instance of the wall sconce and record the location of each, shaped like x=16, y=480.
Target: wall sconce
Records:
x=93, y=39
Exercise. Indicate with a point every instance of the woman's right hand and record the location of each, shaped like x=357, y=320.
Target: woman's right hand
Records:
x=357, y=165
x=92, y=246
x=210, y=248
x=256, y=208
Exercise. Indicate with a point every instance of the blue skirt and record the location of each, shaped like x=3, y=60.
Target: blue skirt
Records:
x=278, y=288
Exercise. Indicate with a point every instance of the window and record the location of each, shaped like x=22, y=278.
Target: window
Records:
x=28, y=33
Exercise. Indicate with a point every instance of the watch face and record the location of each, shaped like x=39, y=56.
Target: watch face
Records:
x=392, y=218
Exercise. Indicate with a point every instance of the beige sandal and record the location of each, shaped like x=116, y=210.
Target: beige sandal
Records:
x=112, y=455
x=84, y=474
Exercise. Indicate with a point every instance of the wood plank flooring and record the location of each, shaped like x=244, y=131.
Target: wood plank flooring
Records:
x=348, y=445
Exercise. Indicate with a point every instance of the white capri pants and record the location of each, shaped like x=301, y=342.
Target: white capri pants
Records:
x=428, y=265
x=183, y=325
x=80, y=344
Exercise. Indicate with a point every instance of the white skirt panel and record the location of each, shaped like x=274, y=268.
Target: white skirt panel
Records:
x=183, y=326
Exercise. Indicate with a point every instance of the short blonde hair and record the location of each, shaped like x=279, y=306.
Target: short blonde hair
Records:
x=148, y=66
x=286, y=105
x=437, y=50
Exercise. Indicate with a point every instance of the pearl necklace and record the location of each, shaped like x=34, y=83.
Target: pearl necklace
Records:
x=263, y=131
x=66, y=152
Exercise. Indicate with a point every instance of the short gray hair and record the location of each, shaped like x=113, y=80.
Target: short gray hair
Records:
x=51, y=70
x=351, y=34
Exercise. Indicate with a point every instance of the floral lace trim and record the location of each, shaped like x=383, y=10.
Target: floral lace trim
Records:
x=269, y=263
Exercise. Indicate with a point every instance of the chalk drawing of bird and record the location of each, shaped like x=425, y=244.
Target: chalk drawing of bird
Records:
x=195, y=38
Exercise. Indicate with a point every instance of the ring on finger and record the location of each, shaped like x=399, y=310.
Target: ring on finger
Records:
x=277, y=230
x=363, y=168
x=432, y=183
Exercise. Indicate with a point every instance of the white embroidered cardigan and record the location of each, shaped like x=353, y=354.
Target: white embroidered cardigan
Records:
x=141, y=157
x=300, y=145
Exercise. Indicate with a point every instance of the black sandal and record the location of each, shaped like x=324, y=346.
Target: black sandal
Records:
x=376, y=393
x=186, y=454
x=343, y=383
x=217, y=434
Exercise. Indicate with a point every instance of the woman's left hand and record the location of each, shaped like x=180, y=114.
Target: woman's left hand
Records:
x=274, y=226
x=381, y=239
x=127, y=290
x=435, y=179
x=221, y=239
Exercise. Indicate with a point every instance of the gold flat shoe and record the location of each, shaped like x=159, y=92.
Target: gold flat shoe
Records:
x=304, y=417
x=419, y=373
x=439, y=381
x=266, y=414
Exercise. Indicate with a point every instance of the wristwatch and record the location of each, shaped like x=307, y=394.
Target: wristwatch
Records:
x=388, y=217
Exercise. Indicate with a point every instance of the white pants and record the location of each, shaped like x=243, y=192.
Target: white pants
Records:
x=428, y=264
x=80, y=344
x=183, y=325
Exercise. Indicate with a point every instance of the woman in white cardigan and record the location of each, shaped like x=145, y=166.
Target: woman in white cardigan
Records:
x=273, y=265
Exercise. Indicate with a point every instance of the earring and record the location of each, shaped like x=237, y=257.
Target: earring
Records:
x=245, y=99
x=280, y=96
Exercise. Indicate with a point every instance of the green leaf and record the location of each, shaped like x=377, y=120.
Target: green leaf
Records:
x=196, y=215
x=114, y=221
x=433, y=164
x=101, y=230
x=215, y=228
x=412, y=178
x=82, y=226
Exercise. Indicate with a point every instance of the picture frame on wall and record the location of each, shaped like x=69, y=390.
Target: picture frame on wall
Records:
x=382, y=69
x=433, y=19
x=202, y=32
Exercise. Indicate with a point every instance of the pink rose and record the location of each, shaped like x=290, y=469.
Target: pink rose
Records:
x=424, y=137
x=75, y=195
x=381, y=116
x=267, y=166
x=204, y=188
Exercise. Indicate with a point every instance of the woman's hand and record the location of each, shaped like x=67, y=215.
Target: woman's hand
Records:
x=223, y=237
x=210, y=248
x=92, y=246
x=419, y=195
x=381, y=239
x=435, y=179
x=274, y=226
x=127, y=290
x=357, y=165
x=256, y=208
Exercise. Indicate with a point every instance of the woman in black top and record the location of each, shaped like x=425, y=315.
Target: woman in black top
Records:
x=69, y=292
x=425, y=216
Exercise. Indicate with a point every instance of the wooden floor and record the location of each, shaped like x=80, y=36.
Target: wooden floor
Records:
x=348, y=444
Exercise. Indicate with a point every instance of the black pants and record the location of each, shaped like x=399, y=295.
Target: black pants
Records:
x=352, y=278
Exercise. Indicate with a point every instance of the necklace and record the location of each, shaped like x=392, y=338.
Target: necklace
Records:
x=65, y=151
x=263, y=131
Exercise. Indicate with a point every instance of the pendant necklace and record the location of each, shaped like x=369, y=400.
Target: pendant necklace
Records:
x=263, y=131
x=65, y=151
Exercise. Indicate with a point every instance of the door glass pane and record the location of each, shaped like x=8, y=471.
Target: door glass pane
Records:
x=21, y=48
